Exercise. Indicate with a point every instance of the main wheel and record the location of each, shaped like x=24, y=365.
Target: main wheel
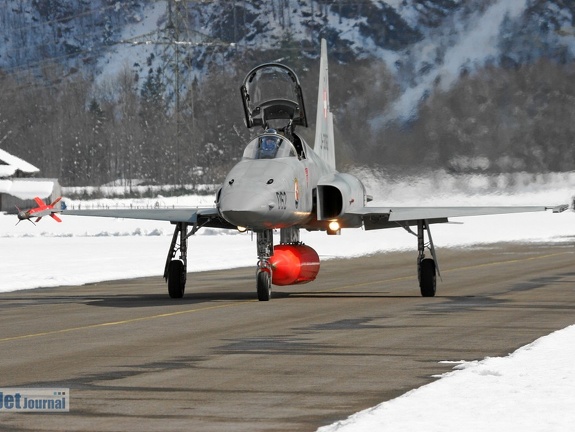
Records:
x=176, y=279
x=427, y=277
x=264, y=284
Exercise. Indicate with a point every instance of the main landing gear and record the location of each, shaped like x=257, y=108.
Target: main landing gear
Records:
x=176, y=269
x=426, y=267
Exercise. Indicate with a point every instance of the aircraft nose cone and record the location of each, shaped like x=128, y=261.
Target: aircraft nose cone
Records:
x=249, y=196
x=247, y=208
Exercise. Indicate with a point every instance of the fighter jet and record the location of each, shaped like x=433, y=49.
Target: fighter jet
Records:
x=281, y=183
x=42, y=210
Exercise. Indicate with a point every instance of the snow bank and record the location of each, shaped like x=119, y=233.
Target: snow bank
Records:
x=529, y=390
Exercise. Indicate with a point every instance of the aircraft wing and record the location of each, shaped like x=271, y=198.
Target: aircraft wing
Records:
x=390, y=217
x=205, y=217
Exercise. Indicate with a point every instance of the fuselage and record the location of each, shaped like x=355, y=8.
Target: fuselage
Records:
x=263, y=192
x=38, y=212
x=267, y=191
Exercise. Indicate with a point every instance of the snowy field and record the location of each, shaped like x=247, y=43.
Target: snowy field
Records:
x=533, y=389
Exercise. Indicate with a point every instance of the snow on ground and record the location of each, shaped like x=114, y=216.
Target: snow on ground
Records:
x=530, y=390
x=81, y=250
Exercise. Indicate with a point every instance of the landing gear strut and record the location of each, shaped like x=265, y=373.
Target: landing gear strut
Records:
x=265, y=243
x=426, y=267
x=176, y=269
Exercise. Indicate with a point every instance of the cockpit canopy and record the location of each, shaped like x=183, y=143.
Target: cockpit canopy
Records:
x=270, y=92
x=269, y=146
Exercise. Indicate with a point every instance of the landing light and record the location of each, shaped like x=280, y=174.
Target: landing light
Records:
x=242, y=229
x=333, y=226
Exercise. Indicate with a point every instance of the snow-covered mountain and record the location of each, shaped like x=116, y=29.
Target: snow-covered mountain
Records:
x=422, y=42
x=487, y=82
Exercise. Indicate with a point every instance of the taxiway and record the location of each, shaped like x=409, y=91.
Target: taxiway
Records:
x=219, y=360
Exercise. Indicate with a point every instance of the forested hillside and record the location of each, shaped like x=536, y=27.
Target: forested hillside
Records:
x=96, y=91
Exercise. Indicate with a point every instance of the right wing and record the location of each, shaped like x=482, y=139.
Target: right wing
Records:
x=390, y=217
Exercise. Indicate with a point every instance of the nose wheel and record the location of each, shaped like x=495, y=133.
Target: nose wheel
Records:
x=264, y=285
x=264, y=272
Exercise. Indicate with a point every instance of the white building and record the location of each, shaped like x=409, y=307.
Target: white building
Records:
x=18, y=187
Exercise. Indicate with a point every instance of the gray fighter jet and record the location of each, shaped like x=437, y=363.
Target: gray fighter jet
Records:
x=282, y=183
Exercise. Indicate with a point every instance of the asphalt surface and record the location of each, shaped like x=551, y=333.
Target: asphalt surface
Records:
x=219, y=360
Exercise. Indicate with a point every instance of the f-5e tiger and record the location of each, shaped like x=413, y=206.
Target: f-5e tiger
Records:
x=282, y=183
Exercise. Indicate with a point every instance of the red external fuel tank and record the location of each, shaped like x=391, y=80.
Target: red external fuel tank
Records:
x=294, y=264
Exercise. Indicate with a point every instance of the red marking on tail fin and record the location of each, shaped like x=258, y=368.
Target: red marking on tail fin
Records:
x=56, y=218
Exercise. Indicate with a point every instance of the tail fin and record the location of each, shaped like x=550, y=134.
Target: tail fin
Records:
x=55, y=201
x=324, y=144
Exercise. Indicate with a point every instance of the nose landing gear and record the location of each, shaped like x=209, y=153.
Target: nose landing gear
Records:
x=265, y=244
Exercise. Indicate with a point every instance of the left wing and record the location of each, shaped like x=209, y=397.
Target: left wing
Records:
x=204, y=217
x=390, y=217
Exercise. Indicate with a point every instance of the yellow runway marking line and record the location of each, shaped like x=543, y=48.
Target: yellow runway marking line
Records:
x=115, y=323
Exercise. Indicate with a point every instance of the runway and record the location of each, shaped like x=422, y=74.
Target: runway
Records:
x=219, y=360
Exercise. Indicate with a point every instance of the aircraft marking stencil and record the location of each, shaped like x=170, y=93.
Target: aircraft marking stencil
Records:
x=281, y=183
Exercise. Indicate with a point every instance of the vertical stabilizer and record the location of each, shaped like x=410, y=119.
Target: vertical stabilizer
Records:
x=323, y=144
